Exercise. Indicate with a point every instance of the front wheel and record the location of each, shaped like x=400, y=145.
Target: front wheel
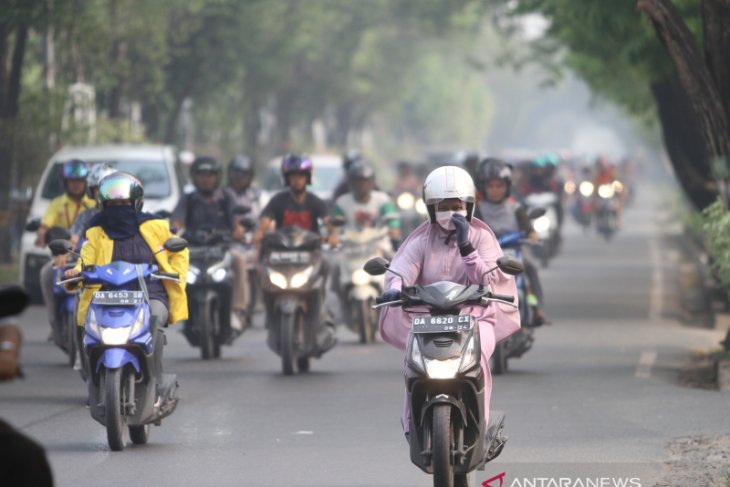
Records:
x=441, y=435
x=115, y=398
x=208, y=322
x=363, y=317
x=288, y=349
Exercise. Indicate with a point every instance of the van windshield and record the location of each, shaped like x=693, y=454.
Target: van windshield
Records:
x=151, y=173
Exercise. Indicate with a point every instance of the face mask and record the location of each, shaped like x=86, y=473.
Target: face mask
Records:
x=444, y=218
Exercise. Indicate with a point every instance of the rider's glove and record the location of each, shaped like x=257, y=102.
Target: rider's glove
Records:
x=390, y=295
x=462, y=229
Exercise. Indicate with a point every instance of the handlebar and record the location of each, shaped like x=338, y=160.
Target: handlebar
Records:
x=502, y=297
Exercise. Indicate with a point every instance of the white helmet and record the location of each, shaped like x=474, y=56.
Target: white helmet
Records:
x=449, y=182
x=96, y=174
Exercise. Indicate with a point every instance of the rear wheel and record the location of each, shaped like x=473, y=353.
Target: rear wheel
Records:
x=139, y=434
x=115, y=398
x=443, y=470
x=498, y=361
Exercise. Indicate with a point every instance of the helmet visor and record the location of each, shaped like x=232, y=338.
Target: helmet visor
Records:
x=75, y=171
x=116, y=188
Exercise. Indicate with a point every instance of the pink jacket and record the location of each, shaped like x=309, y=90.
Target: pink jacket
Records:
x=425, y=258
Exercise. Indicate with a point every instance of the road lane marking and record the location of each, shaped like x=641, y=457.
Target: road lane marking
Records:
x=646, y=361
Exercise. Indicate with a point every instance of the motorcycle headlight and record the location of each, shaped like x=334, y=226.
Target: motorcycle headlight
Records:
x=300, y=278
x=405, y=201
x=606, y=191
x=115, y=336
x=541, y=224
x=416, y=357
x=360, y=277
x=218, y=274
x=277, y=279
x=442, y=369
x=617, y=186
x=569, y=187
x=586, y=188
x=193, y=273
x=421, y=207
x=92, y=327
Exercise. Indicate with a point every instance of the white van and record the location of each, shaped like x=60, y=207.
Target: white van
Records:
x=156, y=166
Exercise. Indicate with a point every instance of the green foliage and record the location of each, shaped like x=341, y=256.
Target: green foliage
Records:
x=717, y=231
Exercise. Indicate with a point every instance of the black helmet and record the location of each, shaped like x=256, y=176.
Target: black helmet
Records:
x=493, y=168
x=121, y=186
x=292, y=163
x=241, y=164
x=350, y=157
x=361, y=170
x=205, y=164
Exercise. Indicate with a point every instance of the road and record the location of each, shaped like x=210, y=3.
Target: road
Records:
x=596, y=397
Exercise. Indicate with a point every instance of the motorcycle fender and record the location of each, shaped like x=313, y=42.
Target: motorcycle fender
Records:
x=116, y=358
x=444, y=399
x=287, y=304
x=363, y=293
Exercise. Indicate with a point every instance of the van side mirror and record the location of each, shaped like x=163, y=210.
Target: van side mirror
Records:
x=376, y=266
x=175, y=244
x=536, y=213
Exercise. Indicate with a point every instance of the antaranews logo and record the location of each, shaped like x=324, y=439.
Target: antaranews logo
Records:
x=500, y=481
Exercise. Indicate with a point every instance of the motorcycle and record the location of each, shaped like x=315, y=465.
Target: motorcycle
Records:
x=123, y=348
x=444, y=378
x=582, y=208
x=358, y=289
x=209, y=291
x=546, y=226
x=413, y=211
x=293, y=287
x=608, y=205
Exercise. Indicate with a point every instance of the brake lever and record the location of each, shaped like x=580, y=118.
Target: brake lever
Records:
x=389, y=303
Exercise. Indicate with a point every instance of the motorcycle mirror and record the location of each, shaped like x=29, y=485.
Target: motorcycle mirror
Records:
x=536, y=213
x=58, y=233
x=510, y=266
x=33, y=224
x=241, y=210
x=175, y=244
x=164, y=214
x=337, y=221
x=376, y=266
x=60, y=247
x=13, y=301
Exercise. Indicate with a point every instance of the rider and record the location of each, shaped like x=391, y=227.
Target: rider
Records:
x=504, y=214
x=240, y=176
x=121, y=231
x=296, y=206
x=211, y=208
x=350, y=157
x=450, y=246
x=62, y=212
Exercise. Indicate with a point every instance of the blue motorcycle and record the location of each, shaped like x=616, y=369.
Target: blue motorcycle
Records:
x=64, y=327
x=123, y=349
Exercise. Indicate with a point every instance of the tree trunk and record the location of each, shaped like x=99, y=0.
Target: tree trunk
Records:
x=683, y=141
x=716, y=35
x=694, y=75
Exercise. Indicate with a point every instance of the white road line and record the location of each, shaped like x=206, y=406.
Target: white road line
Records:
x=646, y=361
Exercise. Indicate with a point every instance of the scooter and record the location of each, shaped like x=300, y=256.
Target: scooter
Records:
x=444, y=378
x=123, y=348
x=293, y=286
x=582, y=208
x=359, y=289
x=546, y=226
x=209, y=290
x=608, y=204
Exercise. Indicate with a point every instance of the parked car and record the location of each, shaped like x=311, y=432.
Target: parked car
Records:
x=156, y=166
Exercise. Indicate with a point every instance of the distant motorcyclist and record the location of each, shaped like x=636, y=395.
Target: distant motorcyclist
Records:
x=469, y=161
x=406, y=180
x=450, y=246
x=122, y=232
x=504, y=214
x=295, y=206
x=240, y=187
x=350, y=157
x=210, y=208
x=62, y=212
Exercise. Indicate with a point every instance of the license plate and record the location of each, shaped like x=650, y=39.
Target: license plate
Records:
x=442, y=324
x=118, y=298
x=289, y=257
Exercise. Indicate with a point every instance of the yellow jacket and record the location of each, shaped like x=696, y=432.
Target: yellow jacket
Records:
x=99, y=248
x=63, y=210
